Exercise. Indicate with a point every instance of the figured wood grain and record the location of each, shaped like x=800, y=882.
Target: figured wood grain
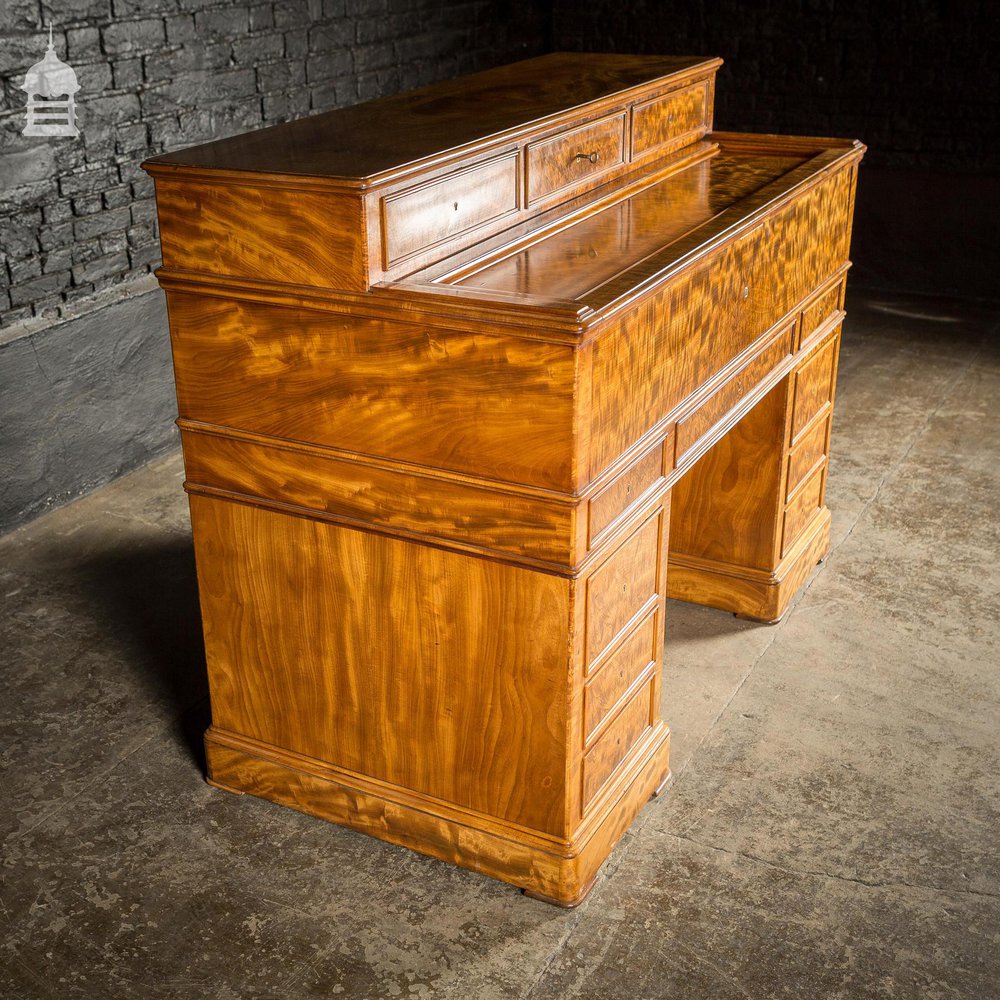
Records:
x=391, y=389
x=416, y=666
x=567, y=160
x=621, y=672
x=622, y=587
x=366, y=141
x=615, y=744
x=431, y=427
x=364, y=493
x=710, y=314
x=427, y=214
x=280, y=233
x=740, y=514
x=668, y=122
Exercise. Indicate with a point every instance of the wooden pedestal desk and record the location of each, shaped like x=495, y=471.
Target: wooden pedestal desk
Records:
x=470, y=381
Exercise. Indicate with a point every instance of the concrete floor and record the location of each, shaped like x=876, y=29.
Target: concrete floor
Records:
x=831, y=830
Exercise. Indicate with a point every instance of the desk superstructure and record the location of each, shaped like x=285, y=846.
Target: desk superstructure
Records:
x=470, y=380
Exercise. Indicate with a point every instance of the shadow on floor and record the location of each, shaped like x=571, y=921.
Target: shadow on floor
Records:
x=149, y=596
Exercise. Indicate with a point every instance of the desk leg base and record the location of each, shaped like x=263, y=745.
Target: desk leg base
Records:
x=550, y=868
x=750, y=593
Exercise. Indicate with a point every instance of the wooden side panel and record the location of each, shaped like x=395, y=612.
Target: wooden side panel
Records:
x=497, y=407
x=426, y=669
x=660, y=352
x=305, y=237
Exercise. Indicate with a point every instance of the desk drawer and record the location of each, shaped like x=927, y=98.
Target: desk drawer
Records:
x=669, y=122
x=800, y=511
x=613, y=748
x=820, y=310
x=621, y=588
x=623, y=493
x=570, y=158
x=428, y=214
x=619, y=673
x=807, y=454
x=814, y=385
x=692, y=428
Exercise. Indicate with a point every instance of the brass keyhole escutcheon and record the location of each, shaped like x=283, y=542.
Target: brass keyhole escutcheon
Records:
x=746, y=292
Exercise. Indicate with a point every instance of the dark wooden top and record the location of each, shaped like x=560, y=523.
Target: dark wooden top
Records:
x=363, y=141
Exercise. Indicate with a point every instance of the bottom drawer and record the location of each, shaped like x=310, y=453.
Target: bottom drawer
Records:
x=806, y=455
x=799, y=512
x=611, y=750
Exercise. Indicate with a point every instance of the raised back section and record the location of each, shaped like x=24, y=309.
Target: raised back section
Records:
x=372, y=193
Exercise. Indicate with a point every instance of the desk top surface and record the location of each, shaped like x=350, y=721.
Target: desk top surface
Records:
x=362, y=141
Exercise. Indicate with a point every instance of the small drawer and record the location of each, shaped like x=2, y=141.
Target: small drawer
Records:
x=624, y=492
x=692, y=428
x=813, y=386
x=428, y=214
x=621, y=588
x=799, y=512
x=620, y=672
x=806, y=455
x=669, y=122
x=570, y=158
x=820, y=310
x=612, y=749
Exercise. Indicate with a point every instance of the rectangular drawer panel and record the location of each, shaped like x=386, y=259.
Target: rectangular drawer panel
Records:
x=618, y=590
x=428, y=214
x=669, y=122
x=619, y=672
x=799, y=512
x=624, y=491
x=613, y=747
x=692, y=428
x=813, y=386
x=803, y=458
x=570, y=158
x=820, y=310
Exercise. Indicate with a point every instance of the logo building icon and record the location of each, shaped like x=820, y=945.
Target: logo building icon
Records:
x=51, y=85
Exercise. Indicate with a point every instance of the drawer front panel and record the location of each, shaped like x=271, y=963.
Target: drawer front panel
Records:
x=820, y=310
x=799, y=512
x=692, y=428
x=612, y=749
x=806, y=454
x=813, y=386
x=671, y=121
x=619, y=589
x=624, y=492
x=573, y=157
x=428, y=214
x=636, y=655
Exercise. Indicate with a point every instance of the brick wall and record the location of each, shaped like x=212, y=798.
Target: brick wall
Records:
x=77, y=215
x=917, y=80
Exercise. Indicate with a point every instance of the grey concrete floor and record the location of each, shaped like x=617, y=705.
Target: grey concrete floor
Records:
x=831, y=830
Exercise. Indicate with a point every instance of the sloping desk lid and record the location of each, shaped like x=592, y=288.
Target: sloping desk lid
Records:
x=369, y=142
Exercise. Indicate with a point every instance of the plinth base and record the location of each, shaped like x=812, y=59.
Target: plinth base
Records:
x=555, y=870
x=750, y=593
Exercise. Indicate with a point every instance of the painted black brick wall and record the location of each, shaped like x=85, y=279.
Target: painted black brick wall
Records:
x=77, y=215
x=917, y=80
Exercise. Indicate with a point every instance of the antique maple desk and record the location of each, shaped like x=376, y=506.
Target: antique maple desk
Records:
x=470, y=380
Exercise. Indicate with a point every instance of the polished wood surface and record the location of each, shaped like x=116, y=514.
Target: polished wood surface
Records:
x=367, y=140
x=469, y=380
